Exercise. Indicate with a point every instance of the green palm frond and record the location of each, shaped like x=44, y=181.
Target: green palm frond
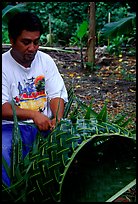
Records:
x=41, y=175
x=83, y=107
x=102, y=116
x=88, y=112
x=70, y=101
x=119, y=119
x=17, y=156
x=120, y=27
x=10, y=10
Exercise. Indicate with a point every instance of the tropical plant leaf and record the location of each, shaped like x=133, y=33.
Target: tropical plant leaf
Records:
x=83, y=106
x=69, y=104
x=126, y=122
x=7, y=168
x=16, y=144
x=119, y=119
x=88, y=112
x=130, y=185
x=102, y=116
x=82, y=30
x=120, y=27
x=10, y=10
x=74, y=114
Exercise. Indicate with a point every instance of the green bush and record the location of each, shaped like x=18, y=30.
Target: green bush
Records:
x=66, y=16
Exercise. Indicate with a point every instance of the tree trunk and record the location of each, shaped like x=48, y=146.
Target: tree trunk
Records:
x=91, y=37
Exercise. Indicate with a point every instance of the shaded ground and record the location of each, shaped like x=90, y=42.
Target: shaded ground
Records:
x=114, y=80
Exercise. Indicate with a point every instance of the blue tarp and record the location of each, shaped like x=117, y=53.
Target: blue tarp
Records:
x=28, y=135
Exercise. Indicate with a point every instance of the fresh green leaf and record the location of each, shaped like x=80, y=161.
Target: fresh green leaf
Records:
x=82, y=29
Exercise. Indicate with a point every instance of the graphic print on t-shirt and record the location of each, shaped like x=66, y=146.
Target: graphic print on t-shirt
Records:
x=32, y=94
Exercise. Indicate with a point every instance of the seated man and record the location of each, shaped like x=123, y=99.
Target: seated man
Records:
x=31, y=79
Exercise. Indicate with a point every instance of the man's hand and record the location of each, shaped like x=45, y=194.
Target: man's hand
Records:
x=54, y=121
x=42, y=121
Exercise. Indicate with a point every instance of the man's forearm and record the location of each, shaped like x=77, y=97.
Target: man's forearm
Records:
x=57, y=107
x=22, y=114
x=42, y=121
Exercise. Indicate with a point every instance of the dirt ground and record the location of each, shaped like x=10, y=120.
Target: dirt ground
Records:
x=114, y=80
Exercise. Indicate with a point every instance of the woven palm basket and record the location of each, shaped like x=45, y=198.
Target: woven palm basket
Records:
x=85, y=159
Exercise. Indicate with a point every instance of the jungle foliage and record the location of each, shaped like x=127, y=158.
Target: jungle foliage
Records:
x=62, y=19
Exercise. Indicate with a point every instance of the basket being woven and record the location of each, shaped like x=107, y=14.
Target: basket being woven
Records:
x=48, y=173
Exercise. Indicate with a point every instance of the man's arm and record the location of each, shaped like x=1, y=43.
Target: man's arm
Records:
x=42, y=121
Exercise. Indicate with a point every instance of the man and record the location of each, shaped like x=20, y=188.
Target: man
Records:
x=30, y=77
x=31, y=80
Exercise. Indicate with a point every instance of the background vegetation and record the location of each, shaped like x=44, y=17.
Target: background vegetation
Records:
x=61, y=19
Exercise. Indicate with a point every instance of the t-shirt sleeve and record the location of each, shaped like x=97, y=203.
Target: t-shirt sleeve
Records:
x=55, y=85
x=5, y=89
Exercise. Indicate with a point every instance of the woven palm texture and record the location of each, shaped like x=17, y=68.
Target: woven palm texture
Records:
x=53, y=170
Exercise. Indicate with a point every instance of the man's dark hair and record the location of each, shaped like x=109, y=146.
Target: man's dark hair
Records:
x=24, y=21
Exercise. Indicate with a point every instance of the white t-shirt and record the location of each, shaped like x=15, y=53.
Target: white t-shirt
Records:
x=33, y=87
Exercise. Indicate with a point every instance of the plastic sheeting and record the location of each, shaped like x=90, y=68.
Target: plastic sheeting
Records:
x=28, y=135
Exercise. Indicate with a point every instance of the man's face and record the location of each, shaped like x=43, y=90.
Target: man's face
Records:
x=25, y=47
